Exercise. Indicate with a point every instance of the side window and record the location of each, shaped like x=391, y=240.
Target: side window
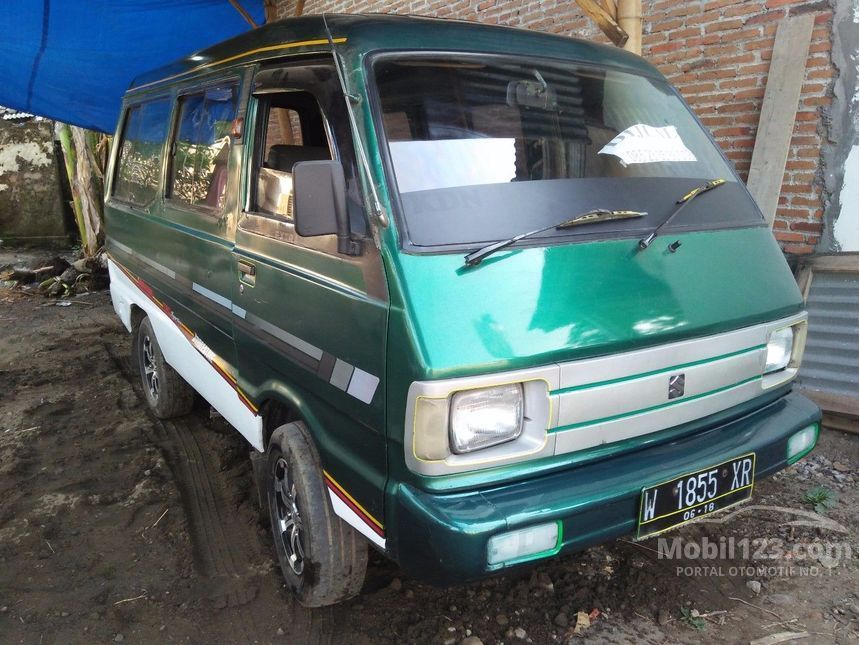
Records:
x=138, y=166
x=290, y=129
x=198, y=174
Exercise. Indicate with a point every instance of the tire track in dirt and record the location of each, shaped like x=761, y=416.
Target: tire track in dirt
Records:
x=225, y=547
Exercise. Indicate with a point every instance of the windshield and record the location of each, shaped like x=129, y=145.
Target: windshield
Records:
x=483, y=149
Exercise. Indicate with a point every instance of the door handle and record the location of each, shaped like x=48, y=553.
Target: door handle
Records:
x=247, y=273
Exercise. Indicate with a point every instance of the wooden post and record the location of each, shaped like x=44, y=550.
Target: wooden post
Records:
x=270, y=11
x=630, y=20
x=778, y=112
x=244, y=13
x=611, y=8
x=599, y=13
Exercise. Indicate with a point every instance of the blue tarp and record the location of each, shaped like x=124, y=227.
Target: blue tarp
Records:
x=72, y=60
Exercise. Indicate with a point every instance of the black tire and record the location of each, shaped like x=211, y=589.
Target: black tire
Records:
x=167, y=393
x=330, y=561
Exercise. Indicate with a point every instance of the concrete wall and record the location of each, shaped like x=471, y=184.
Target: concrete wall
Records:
x=845, y=235
x=717, y=52
x=842, y=212
x=31, y=204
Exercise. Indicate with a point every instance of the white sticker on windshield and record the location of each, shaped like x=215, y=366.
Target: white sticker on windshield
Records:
x=642, y=143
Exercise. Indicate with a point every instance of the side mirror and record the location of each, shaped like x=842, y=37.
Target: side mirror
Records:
x=319, y=194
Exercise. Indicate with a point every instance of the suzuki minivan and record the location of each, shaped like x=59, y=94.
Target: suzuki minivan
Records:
x=475, y=296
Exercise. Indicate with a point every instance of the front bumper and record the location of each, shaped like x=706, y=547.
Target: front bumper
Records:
x=442, y=538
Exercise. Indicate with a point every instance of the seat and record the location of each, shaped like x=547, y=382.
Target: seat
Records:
x=217, y=187
x=283, y=157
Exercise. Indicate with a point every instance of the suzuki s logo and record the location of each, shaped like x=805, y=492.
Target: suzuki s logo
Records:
x=676, y=386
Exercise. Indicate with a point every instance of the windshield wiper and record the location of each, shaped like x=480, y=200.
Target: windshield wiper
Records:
x=645, y=242
x=590, y=217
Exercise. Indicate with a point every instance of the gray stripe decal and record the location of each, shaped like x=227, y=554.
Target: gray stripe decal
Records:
x=155, y=265
x=362, y=385
x=239, y=311
x=122, y=247
x=287, y=351
x=324, y=369
x=288, y=338
x=158, y=267
x=341, y=374
x=214, y=297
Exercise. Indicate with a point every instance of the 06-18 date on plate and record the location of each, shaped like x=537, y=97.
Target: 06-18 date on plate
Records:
x=694, y=495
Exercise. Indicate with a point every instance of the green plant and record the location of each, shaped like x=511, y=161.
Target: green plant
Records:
x=691, y=618
x=820, y=498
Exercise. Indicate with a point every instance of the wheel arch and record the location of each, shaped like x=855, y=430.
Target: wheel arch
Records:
x=276, y=412
x=281, y=404
x=137, y=314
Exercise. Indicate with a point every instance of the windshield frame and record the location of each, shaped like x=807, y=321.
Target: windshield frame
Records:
x=563, y=237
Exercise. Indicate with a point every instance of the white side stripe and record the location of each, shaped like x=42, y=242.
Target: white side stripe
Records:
x=352, y=518
x=187, y=360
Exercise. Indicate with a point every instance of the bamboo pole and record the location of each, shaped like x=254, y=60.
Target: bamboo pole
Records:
x=630, y=20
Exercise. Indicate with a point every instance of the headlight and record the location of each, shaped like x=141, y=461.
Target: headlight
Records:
x=779, y=347
x=486, y=417
x=465, y=424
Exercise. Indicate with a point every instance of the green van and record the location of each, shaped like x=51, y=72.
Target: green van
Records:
x=476, y=296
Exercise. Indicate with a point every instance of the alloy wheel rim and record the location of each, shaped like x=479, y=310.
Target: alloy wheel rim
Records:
x=288, y=520
x=150, y=368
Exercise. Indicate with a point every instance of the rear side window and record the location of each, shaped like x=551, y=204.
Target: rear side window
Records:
x=202, y=147
x=139, y=161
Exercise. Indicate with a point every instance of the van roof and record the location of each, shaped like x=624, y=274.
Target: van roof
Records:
x=370, y=32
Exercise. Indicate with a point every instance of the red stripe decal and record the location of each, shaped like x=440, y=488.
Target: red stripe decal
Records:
x=358, y=511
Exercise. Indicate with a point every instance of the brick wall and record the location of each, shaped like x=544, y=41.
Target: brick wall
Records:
x=717, y=52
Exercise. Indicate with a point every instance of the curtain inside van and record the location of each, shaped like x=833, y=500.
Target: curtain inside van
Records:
x=71, y=60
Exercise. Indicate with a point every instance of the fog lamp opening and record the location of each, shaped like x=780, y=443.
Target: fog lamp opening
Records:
x=529, y=543
x=801, y=443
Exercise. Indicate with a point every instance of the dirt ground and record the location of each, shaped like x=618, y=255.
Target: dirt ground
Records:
x=115, y=527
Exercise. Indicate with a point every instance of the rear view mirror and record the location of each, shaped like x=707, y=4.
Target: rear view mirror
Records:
x=532, y=94
x=319, y=194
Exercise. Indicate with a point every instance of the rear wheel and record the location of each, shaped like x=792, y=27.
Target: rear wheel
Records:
x=166, y=392
x=323, y=559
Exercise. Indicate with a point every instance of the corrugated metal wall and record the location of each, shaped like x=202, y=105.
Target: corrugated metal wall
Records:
x=831, y=360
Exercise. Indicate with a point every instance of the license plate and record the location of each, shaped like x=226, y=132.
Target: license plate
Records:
x=694, y=495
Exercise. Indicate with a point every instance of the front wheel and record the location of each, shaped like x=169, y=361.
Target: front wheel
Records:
x=323, y=559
